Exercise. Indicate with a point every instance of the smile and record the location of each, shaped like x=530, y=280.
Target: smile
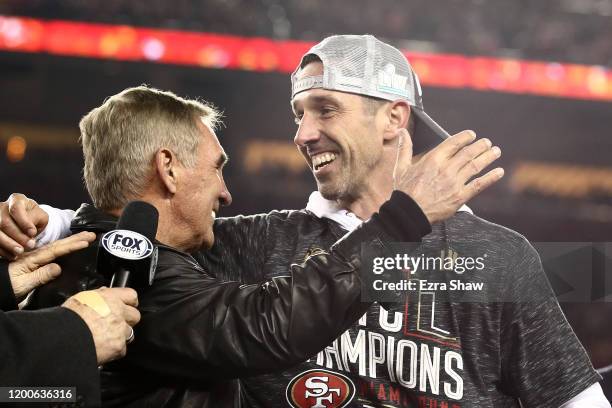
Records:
x=321, y=160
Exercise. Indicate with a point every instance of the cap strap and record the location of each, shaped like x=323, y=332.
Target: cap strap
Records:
x=305, y=83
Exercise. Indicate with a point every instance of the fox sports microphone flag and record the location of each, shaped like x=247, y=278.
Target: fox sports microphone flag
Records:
x=127, y=252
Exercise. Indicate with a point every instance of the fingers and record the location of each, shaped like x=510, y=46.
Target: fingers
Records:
x=86, y=236
x=59, y=248
x=39, y=218
x=24, y=283
x=19, y=205
x=56, y=249
x=481, y=183
x=20, y=221
x=43, y=275
x=131, y=315
x=31, y=270
x=437, y=182
x=470, y=157
x=477, y=164
x=13, y=239
x=122, y=301
x=404, y=155
x=453, y=144
x=404, y=144
x=9, y=248
x=469, y=152
x=127, y=296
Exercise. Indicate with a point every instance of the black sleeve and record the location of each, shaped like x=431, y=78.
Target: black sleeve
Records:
x=49, y=347
x=196, y=327
x=7, y=296
x=233, y=237
x=402, y=219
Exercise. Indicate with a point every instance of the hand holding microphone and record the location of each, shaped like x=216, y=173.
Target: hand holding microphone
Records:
x=110, y=315
x=128, y=255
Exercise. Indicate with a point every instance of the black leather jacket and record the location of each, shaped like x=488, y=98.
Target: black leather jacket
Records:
x=197, y=333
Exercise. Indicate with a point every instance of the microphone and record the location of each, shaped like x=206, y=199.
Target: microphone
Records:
x=129, y=254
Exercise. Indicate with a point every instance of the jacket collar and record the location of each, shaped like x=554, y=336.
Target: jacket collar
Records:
x=89, y=218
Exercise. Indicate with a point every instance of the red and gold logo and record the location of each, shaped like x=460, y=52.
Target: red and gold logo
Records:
x=320, y=389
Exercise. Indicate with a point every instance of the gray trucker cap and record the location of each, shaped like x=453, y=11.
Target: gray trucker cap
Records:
x=364, y=65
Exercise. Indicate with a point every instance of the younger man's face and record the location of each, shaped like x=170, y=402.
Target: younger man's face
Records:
x=339, y=138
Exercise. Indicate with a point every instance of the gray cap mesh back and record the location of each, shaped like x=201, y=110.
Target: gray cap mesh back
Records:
x=363, y=65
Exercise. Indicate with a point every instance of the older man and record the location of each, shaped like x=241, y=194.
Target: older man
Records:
x=196, y=331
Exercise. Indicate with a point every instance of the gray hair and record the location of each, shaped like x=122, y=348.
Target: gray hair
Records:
x=120, y=139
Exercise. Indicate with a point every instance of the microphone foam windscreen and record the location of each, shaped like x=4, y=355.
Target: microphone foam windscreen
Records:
x=140, y=217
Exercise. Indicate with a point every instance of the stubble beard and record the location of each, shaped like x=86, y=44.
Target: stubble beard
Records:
x=336, y=190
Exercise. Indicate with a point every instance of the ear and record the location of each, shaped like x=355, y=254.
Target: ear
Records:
x=398, y=113
x=166, y=169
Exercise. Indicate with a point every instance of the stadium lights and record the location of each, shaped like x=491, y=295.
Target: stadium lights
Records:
x=125, y=43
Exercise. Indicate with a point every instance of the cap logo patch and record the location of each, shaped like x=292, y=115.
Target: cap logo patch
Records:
x=320, y=389
x=389, y=81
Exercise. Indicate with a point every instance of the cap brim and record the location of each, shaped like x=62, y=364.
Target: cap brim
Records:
x=427, y=133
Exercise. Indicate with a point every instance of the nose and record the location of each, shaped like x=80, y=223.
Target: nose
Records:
x=225, y=197
x=308, y=131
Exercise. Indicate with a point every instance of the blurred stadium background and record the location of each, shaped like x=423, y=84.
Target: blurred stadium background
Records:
x=534, y=76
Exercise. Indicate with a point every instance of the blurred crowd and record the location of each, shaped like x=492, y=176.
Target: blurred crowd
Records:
x=578, y=31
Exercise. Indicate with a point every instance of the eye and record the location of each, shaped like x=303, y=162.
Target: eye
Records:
x=297, y=119
x=327, y=111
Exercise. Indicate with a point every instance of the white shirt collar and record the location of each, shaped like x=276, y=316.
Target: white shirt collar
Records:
x=324, y=208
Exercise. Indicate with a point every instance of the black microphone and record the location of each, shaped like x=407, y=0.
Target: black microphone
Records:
x=129, y=254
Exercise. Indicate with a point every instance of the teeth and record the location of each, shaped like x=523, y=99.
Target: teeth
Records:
x=214, y=215
x=322, y=158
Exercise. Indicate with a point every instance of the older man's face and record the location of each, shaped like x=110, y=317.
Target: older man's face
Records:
x=203, y=190
x=341, y=142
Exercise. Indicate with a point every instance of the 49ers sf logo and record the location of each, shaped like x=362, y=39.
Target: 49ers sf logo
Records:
x=320, y=389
